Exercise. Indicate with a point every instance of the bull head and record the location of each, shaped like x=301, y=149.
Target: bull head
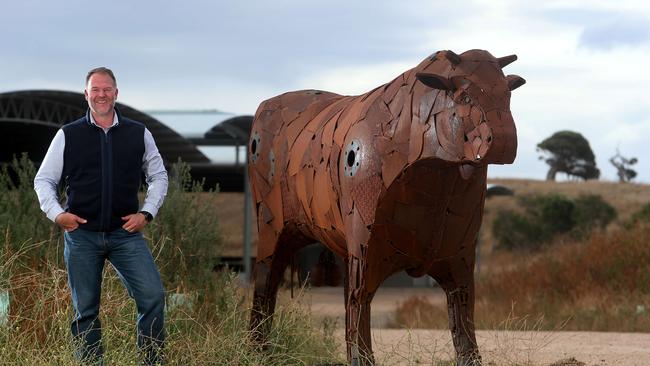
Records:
x=473, y=123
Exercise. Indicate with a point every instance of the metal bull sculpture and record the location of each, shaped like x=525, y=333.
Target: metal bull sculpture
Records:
x=390, y=180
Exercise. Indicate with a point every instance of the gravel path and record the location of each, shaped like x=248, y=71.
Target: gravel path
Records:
x=426, y=347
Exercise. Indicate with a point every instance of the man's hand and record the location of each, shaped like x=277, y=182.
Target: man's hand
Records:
x=134, y=222
x=68, y=221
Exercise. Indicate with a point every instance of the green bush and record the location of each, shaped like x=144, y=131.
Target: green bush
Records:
x=515, y=231
x=591, y=212
x=643, y=215
x=547, y=216
x=554, y=212
x=188, y=230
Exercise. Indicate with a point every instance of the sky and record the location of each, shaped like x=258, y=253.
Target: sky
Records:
x=586, y=62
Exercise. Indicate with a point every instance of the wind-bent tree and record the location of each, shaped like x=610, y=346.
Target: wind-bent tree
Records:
x=622, y=165
x=568, y=152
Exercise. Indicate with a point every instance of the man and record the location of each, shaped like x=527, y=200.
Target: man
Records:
x=100, y=159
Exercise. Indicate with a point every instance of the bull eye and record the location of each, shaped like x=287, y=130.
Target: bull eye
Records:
x=352, y=158
x=255, y=144
x=465, y=99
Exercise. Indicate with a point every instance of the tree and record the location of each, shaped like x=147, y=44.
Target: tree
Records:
x=568, y=152
x=622, y=165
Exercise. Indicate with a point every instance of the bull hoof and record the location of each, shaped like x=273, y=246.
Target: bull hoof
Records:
x=357, y=359
x=469, y=361
x=361, y=361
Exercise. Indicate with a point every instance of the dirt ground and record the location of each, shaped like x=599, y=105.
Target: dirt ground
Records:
x=426, y=347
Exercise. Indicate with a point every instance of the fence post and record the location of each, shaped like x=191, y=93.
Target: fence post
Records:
x=4, y=307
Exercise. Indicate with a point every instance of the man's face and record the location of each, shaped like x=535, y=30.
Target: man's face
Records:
x=101, y=93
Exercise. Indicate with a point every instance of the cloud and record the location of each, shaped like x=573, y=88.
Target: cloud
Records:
x=617, y=31
x=585, y=62
x=354, y=80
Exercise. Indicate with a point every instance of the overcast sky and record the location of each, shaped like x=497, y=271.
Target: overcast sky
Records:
x=586, y=62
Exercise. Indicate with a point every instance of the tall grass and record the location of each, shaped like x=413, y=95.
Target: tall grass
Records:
x=210, y=325
x=198, y=334
x=21, y=219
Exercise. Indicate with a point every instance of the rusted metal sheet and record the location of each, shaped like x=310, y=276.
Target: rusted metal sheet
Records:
x=393, y=179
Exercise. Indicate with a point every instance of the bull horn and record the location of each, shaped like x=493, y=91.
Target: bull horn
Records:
x=506, y=60
x=435, y=81
x=515, y=81
x=452, y=57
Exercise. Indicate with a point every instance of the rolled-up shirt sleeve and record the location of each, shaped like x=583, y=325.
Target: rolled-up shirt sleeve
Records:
x=48, y=177
x=155, y=175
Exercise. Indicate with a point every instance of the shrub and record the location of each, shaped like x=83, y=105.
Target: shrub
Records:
x=554, y=212
x=547, y=216
x=515, y=231
x=643, y=215
x=188, y=230
x=591, y=212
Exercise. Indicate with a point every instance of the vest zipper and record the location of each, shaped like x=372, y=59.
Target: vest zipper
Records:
x=107, y=175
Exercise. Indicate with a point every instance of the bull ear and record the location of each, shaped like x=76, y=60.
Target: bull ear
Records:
x=506, y=60
x=515, y=81
x=435, y=81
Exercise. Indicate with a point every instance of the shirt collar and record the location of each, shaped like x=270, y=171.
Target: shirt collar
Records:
x=116, y=120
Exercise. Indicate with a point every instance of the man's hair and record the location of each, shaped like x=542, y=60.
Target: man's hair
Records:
x=101, y=70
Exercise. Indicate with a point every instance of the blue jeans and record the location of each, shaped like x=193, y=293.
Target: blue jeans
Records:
x=85, y=254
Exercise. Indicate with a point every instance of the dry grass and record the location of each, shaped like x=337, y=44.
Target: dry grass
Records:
x=600, y=285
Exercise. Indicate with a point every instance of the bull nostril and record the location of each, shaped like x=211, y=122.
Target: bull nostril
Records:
x=465, y=138
x=489, y=139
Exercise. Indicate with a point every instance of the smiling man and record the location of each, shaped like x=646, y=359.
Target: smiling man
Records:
x=100, y=159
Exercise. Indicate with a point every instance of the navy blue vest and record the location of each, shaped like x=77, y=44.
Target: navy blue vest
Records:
x=102, y=171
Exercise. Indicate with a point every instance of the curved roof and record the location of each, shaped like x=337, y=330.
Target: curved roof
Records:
x=32, y=117
x=233, y=131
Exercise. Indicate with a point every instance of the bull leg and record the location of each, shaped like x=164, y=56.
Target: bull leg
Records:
x=359, y=294
x=458, y=283
x=268, y=276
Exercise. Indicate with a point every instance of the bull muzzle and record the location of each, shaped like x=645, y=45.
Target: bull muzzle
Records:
x=491, y=143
